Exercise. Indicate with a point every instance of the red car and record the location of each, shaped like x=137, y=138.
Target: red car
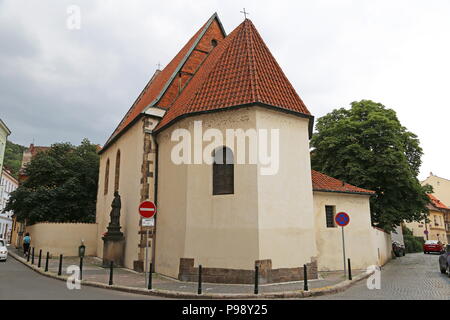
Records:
x=432, y=246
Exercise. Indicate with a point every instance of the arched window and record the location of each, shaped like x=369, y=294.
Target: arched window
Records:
x=117, y=174
x=106, y=177
x=223, y=171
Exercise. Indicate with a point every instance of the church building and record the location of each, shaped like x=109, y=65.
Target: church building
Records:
x=228, y=216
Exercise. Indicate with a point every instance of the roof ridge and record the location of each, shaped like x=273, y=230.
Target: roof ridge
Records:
x=277, y=65
x=253, y=74
x=186, y=56
x=207, y=73
x=160, y=84
x=240, y=71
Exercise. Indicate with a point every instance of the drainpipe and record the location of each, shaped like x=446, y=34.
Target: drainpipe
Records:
x=156, y=204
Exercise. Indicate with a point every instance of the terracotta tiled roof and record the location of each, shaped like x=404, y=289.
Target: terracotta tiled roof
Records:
x=158, y=83
x=437, y=203
x=322, y=182
x=240, y=70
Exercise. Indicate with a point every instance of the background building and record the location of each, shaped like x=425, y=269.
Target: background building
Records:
x=435, y=229
x=4, y=133
x=441, y=190
x=7, y=185
x=18, y=228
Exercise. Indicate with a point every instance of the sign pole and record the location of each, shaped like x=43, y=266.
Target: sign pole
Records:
x=146, y=258
x=343, y=250
x=147, y=210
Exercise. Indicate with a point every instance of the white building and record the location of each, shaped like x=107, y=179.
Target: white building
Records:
x=4, y=133
x=7, y=185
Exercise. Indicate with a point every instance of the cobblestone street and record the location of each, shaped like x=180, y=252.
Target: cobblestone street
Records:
x=415, y=276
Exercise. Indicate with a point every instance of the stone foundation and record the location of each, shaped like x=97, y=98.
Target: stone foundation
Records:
x=113, y=250
x=187, y=272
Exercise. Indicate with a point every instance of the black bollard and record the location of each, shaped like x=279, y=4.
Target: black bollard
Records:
x=305, y=278
x=111, y=268
x=32, y=256
x=349, y=270
x=256, y=279
x=81, y=268
x=28, y=255
x=199, y=291
x=46, y=262
x=149, y=287
x=60, y=264
x=40, y=256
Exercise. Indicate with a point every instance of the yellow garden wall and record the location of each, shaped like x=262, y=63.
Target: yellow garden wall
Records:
x=64, y=238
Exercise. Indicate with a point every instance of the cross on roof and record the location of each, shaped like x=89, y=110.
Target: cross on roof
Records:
x=159, y=66
x=245, y=13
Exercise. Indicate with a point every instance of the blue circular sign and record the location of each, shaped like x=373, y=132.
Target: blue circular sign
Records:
x=342, y=219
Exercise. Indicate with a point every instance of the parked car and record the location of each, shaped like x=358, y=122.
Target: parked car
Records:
x=398, y=248
x=432, y=246
x=3, y=250
x=444, y=261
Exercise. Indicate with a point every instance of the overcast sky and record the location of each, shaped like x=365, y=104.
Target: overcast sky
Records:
x=58, y=84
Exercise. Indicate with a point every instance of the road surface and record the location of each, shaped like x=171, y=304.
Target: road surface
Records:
x=414, y=276
x=19, y=282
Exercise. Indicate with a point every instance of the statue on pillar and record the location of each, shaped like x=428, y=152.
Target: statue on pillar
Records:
x=113, y=239
x=114, y=224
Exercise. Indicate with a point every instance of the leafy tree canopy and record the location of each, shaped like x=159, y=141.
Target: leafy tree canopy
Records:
x=13, y=157
x=61, y=185
x=367, y=146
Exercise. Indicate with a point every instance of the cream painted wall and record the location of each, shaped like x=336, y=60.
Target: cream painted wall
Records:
x=63, y=238
x=383, y=246
x=285, y=199
x=359, y=242
x=217, y=231
x=232, y=231
x=171, y=215
x=131, y=145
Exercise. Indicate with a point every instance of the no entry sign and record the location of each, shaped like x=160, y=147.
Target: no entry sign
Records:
x=147, y=209
x=342, y=219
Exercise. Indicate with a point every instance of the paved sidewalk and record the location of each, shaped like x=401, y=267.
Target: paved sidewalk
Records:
x=93, y=271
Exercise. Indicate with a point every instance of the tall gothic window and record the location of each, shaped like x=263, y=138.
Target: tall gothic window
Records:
x=223, y=171
x=106, y=177
x=117, y=174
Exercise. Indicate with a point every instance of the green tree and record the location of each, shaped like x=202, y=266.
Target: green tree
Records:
x=367, y=146
x=412, y=243
x=61, y=185
x=13, y=157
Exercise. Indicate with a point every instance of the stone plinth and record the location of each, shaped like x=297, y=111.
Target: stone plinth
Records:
x=113, y=250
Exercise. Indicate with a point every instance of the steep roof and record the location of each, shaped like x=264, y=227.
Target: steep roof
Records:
x=322, y=182
x=159, y=82
x=437, y=203
x=239, y=71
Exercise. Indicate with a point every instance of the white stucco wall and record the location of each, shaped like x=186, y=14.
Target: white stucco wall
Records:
x=359, y=242
x=383, y=246
x=285, y=199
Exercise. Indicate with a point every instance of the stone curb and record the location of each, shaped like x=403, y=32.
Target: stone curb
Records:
x=342, y=286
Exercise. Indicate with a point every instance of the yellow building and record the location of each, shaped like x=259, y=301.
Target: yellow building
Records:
x=223, y=97
x=441, y=190
x=435, y=229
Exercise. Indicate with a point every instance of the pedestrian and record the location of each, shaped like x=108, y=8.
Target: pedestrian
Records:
x=26, y=244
